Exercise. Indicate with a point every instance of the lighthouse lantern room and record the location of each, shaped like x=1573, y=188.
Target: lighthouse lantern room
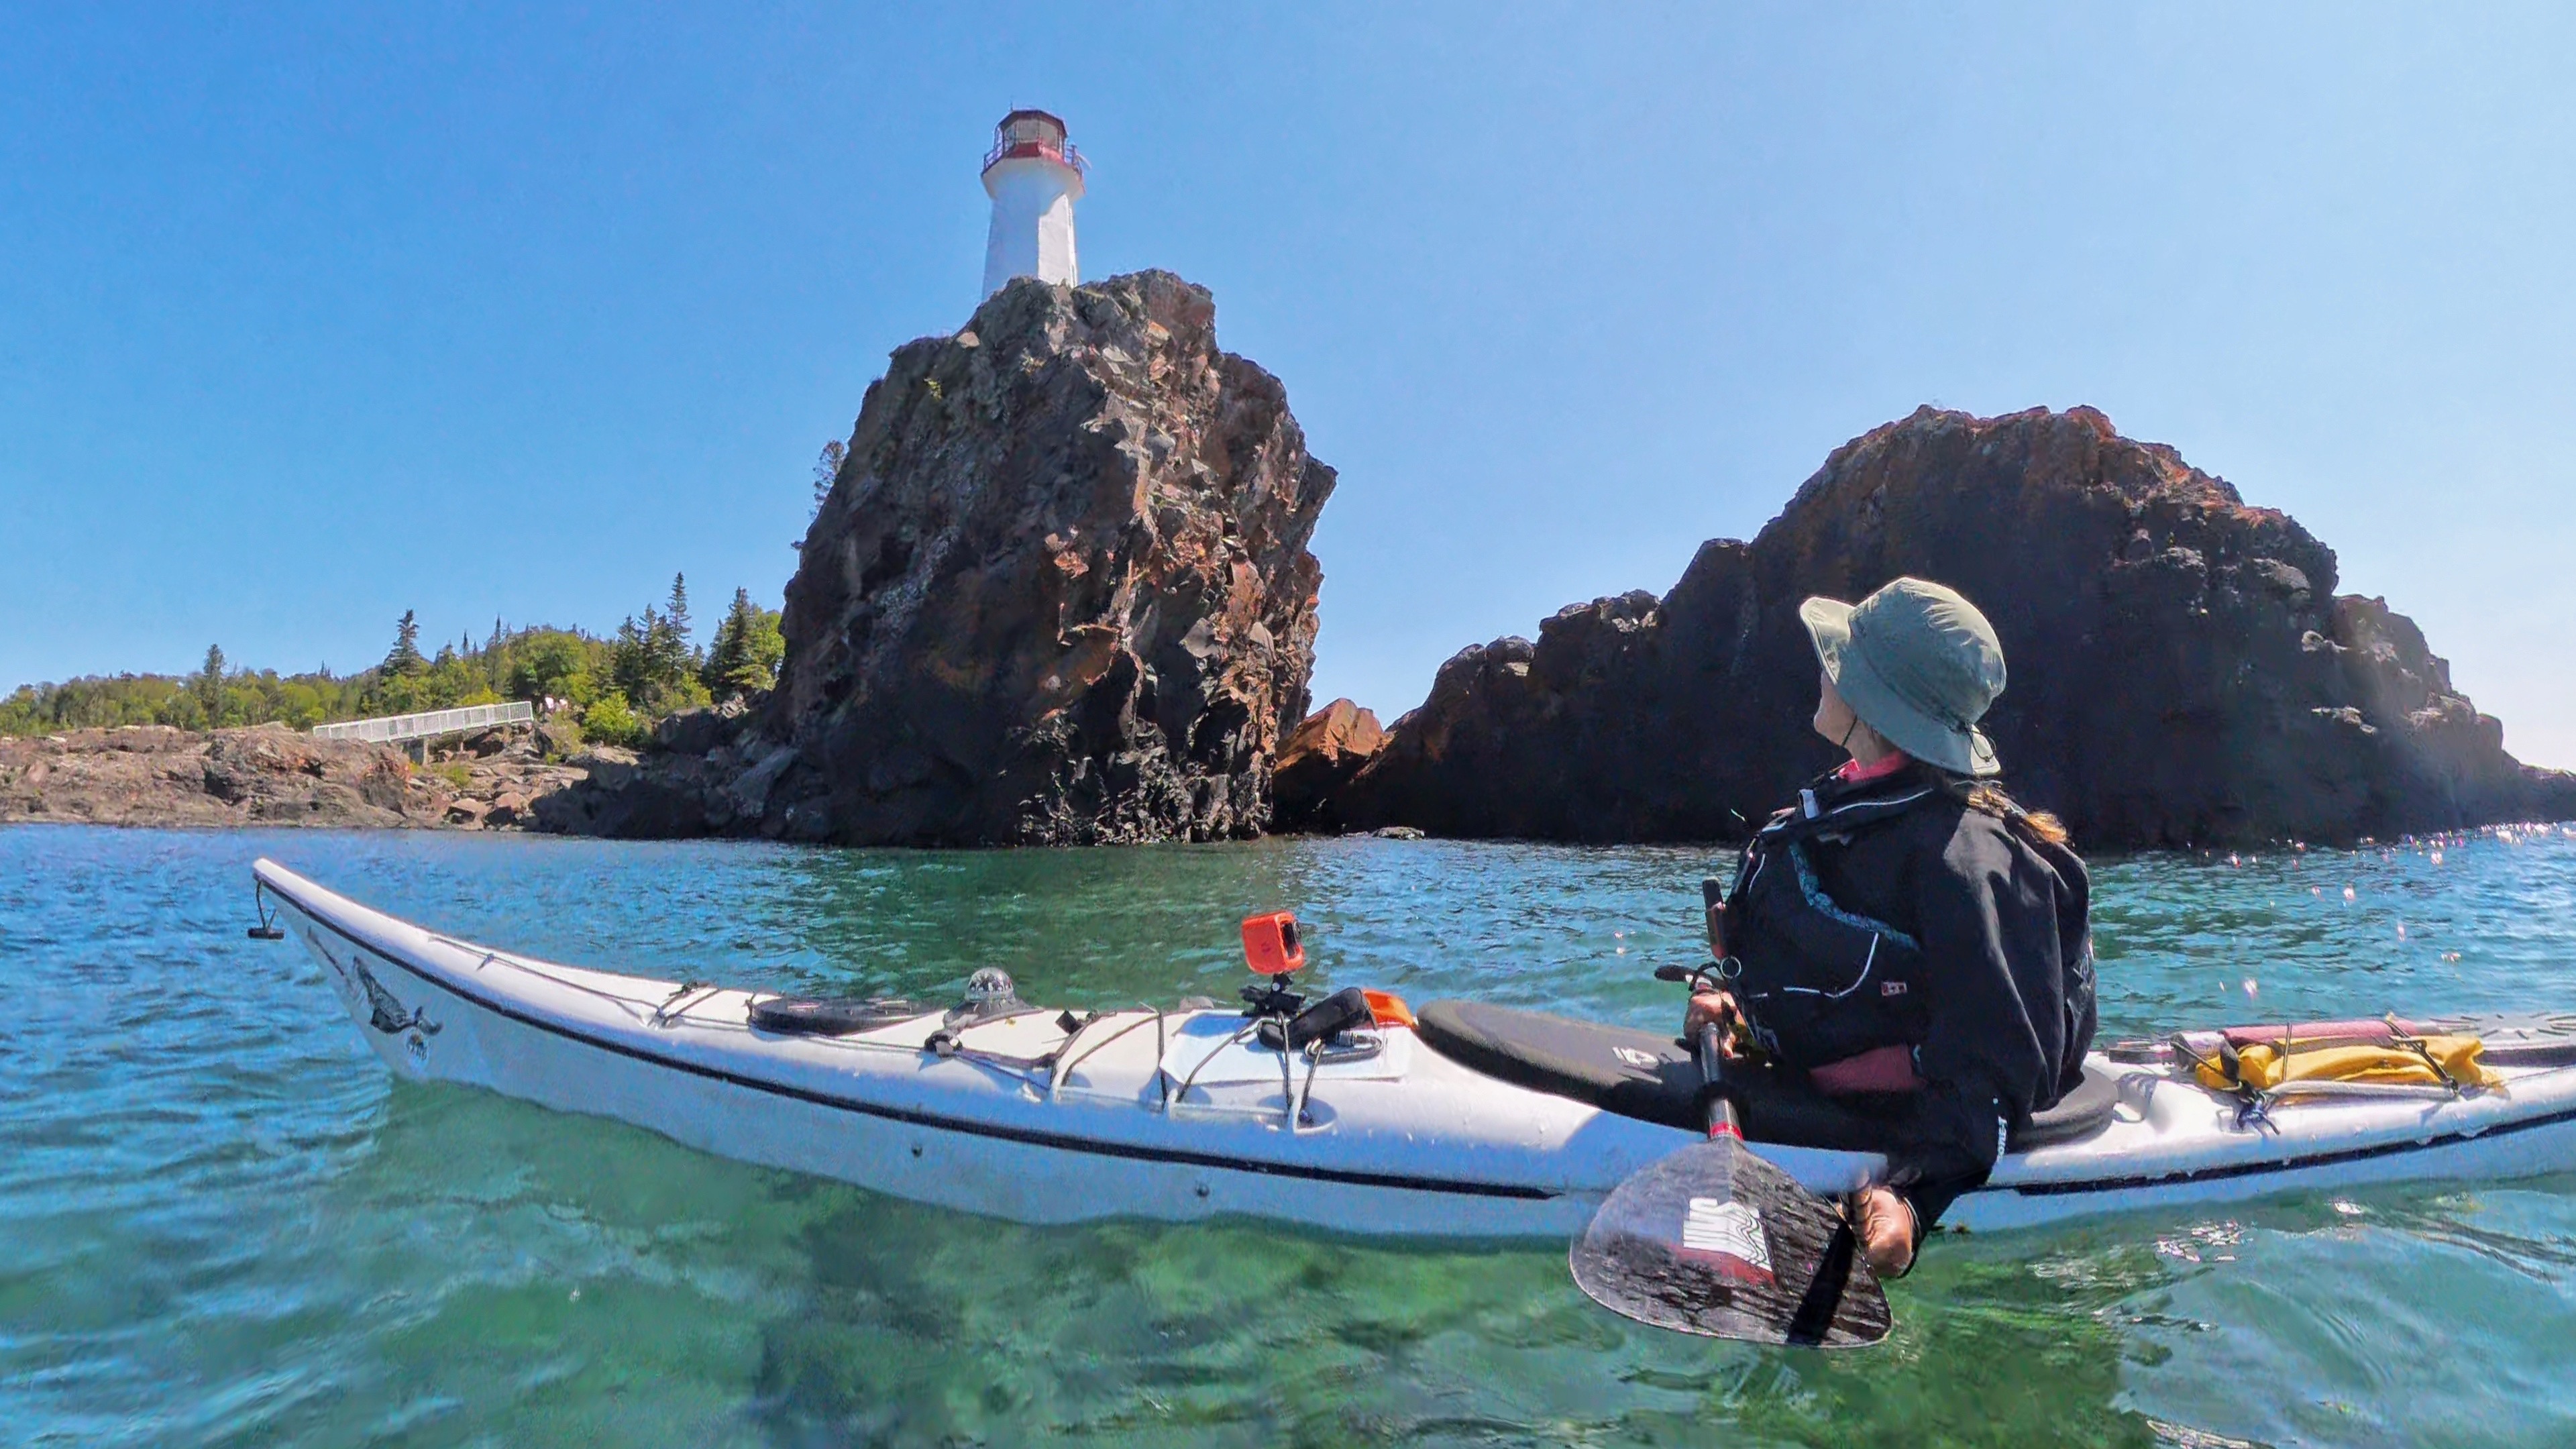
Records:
x=1034, y=176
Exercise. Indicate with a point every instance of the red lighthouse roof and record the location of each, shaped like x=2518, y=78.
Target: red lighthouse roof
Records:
x=1032, y=133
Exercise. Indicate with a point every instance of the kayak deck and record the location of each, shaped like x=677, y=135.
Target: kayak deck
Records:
x=1177, y=1114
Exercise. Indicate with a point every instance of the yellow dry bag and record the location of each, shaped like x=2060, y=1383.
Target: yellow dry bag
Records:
x=2430, y=1061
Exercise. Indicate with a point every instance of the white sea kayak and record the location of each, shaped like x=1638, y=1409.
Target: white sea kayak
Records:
x=1476, y=1121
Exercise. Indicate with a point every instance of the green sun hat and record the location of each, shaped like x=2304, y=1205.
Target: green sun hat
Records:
x=1918, y=664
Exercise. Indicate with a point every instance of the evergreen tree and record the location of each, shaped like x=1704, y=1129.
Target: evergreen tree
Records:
x=666, y=657
x=630, y=659
x=651, y=662
x=747, y=651
x=209, y=686
x=725, y=653
x=404, y=658
x=677, y=618
x=827, y=471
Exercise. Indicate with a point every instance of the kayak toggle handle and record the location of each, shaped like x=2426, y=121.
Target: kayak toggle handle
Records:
x=267, y=929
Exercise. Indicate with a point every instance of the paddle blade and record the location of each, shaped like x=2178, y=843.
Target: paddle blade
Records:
x=1713, y=1240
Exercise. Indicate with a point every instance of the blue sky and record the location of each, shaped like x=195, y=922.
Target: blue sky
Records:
x=312, y=315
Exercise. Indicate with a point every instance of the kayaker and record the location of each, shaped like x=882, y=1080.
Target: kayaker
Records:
x=1904, y=942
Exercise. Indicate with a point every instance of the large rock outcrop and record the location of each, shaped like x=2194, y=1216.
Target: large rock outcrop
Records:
x=264, y=775
x=2181, y=671
x=1325, y=752
x=1059, y=594
x=155, y=775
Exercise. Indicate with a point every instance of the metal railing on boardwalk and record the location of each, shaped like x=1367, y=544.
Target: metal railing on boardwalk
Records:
x=393, y=727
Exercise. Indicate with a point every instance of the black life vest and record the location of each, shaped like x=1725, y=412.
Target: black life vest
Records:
x=1818, y=983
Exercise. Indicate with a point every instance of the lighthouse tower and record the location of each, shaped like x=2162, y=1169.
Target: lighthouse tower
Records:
x=1034, y=176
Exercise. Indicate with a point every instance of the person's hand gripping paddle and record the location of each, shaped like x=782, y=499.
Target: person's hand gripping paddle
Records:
x=1713, y=1240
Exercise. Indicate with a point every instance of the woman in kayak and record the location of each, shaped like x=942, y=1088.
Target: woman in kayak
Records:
x=1904, y=940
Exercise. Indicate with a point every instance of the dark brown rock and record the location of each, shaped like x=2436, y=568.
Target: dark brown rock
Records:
x=1060, y=594
x=699, y=731
x=609, y=766
x=625, y=796
x=1326, y=751
x=2180, y=669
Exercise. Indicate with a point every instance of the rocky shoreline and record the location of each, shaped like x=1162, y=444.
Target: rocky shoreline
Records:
x=270, y=775
x=1060, y=593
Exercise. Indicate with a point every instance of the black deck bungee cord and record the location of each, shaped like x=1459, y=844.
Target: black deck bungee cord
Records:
x=1020, y=1068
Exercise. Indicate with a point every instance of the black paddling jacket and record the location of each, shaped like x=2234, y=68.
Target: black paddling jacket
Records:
x=1890, y=913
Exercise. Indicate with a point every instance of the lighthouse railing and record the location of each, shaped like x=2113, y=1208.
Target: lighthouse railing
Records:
x=1067, y=154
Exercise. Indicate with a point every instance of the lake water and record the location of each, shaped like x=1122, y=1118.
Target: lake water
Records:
x=222, y=1223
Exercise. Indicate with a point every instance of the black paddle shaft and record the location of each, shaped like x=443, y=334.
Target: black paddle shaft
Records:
x=1715, y=1241
x=1711, y=1051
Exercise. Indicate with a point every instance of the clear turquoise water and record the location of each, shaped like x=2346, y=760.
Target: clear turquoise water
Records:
x=221, y=1222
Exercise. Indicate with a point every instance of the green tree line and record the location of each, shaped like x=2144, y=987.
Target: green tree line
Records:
x=615, y=688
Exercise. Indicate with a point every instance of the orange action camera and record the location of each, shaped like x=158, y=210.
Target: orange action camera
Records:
x=1270, y=944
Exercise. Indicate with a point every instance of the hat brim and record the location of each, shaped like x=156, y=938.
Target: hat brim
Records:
x=1828, y=623
x=1960, y=751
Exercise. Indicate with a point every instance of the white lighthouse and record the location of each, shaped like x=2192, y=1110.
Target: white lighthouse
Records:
x=1034, y=176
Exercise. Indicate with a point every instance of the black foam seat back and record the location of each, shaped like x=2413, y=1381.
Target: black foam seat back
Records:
x=1633, y=1073
x=1654, y=1079
x=1616, y=1068
x=2078, y=1115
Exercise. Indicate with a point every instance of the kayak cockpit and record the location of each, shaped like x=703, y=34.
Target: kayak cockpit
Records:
x=1654, y=1079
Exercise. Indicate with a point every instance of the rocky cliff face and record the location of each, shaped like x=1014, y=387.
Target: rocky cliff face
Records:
x=1059, y=594
x=1325, y=752
x=2181, y=671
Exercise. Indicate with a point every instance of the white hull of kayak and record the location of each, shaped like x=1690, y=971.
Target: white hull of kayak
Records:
x=1402, y=1142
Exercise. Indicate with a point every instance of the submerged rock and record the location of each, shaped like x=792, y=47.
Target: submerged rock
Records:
x=2181, y=671
x=1059, y=594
